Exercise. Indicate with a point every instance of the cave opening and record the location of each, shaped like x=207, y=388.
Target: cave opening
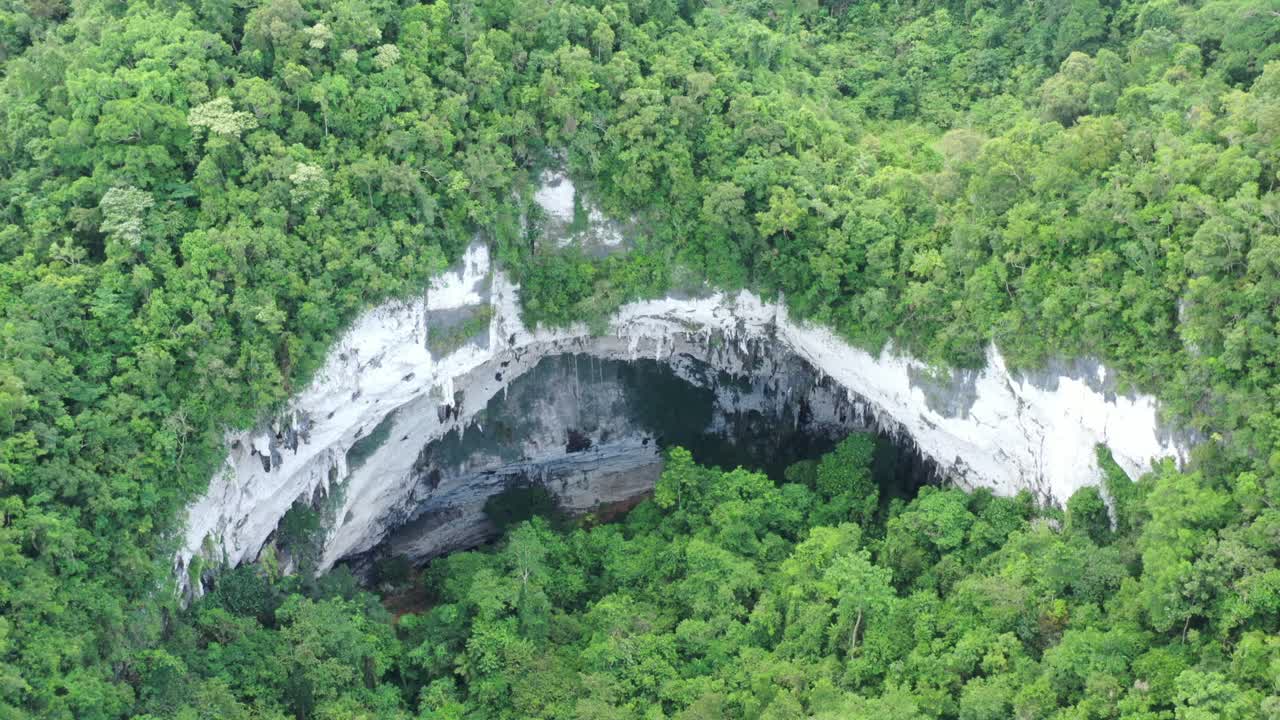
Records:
x=590, y=432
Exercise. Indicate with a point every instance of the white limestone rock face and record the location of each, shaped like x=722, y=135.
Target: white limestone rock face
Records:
x=571, y=218
x=357, y=432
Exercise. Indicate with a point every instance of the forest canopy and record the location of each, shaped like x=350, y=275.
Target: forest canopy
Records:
x=197, y=195
x=731, y=595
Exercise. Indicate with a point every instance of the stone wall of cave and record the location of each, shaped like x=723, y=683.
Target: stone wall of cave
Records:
x=591, y=431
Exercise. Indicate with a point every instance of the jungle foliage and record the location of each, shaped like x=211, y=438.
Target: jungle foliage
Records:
x=731, y=596
x=196, y=195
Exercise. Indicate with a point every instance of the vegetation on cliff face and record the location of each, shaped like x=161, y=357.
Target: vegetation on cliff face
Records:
x=196, y=195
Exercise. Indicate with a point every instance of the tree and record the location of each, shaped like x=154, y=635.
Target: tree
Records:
x=861, y=592
x=1087, y=513
x=527, y=556
x=123, y=214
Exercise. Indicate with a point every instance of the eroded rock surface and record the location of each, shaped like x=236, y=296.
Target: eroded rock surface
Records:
x=383, y=398
x=591, y=429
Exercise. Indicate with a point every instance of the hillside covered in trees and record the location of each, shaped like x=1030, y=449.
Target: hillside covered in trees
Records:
x=197, y=195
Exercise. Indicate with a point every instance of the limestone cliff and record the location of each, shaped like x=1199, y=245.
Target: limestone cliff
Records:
x=370, y=430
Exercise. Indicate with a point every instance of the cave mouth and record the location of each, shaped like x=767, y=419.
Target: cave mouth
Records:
x=591, y=432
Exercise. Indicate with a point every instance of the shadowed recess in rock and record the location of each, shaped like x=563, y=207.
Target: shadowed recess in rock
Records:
x=591, y=432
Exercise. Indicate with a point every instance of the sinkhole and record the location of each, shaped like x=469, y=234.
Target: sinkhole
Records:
x=591, y=432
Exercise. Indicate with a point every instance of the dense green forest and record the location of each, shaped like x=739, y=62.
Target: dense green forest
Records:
x=732, y=596
x=196, y=195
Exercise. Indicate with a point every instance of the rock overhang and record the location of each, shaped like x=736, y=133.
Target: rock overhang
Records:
x=994, y=428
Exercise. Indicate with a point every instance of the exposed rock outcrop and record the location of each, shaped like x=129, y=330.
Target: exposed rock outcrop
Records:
x=383, y=398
